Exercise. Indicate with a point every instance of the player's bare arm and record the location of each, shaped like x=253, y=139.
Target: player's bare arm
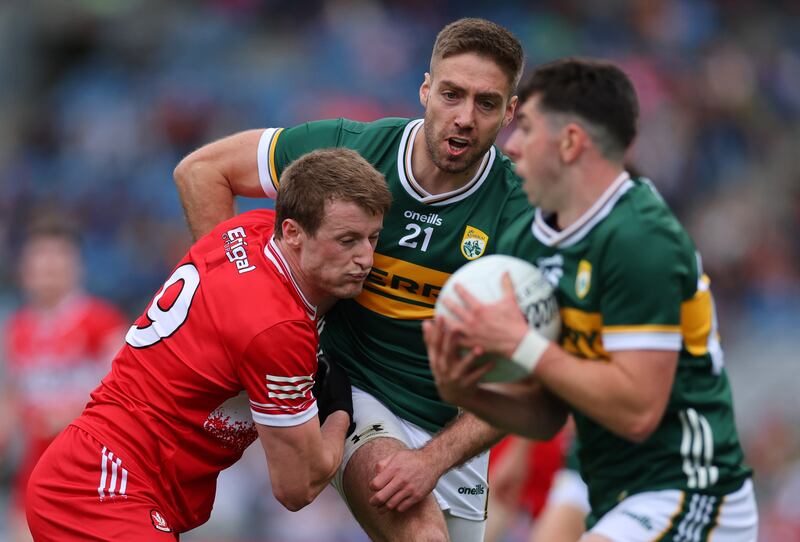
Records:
x=627, y=394
x=407, y=476
x=303, y=459
x=208, y=178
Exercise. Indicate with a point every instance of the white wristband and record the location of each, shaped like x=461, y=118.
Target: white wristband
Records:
x=529, y=351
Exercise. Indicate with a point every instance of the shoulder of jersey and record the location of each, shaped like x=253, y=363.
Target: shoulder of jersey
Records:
x=254, y=218
x=642, y=211
x=357, y=127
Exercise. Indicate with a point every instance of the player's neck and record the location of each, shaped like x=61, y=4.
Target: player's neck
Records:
x=429, y=176
x=586, y=183
x=313, y=294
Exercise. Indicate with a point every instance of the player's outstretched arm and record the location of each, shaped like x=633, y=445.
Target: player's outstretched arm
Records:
x=302, y=459
x=208, y=178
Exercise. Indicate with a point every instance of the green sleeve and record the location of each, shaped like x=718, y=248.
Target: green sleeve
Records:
x=280, y=147
x=643, y=278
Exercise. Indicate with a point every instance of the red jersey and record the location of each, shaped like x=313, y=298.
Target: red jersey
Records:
x=58, y=356
x=228, y=340
x=54, y=358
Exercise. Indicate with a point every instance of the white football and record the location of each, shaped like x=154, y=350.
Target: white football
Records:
x=535, y=296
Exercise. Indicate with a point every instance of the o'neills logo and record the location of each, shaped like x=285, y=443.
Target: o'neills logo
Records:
x=477, y=490
x=429, y=218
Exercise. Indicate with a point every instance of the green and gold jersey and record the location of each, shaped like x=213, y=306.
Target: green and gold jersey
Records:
x=629, y=278
x=377, y=336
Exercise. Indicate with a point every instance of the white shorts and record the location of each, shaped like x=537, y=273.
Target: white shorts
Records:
x=569, y=488
x=462, y=491
x=676, y=516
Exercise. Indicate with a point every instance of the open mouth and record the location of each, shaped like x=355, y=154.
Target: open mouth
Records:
x=457, y=145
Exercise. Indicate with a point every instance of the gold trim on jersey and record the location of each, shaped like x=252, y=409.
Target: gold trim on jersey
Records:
x=402, y=290
x=273, y=171
x=582, y=333
x=646, y=328
x=697, y=319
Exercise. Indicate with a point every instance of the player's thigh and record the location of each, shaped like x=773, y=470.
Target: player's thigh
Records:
x=372, y=421
x=67, y=501
x=378, y=434
x=675, y=516
x=423, y=521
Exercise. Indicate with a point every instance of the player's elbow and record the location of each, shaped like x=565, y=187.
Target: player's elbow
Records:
x=182, y=173
x=293, y=499
x=641, y=426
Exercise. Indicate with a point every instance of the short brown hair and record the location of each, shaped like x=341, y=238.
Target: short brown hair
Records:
x=483, y=38
x=327, y=175
x=596, y=91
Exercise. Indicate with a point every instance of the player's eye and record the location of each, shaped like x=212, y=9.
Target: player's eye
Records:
x=449, y=95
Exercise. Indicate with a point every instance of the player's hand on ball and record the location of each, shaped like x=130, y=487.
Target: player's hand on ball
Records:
x=456, y=374
x=332, y=390
x=494, y=327
x=489, y=301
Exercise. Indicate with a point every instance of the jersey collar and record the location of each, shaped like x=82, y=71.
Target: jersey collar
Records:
x=273, y=253
x=416, y=191
x=593, y=216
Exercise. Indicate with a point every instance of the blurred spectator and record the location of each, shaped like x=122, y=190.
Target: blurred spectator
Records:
x=58, y=346
x=521, y=472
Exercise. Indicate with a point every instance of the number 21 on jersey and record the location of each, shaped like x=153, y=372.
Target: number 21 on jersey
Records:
x=410, y=240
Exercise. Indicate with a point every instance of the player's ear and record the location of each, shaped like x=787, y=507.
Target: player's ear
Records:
x=508, y=116
x=425, y=89
x=292, y=232
x=574, y=141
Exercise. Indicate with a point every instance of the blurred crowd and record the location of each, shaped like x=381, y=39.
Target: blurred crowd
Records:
x=99, y=100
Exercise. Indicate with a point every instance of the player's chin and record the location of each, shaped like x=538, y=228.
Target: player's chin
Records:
x=457, y=164
x=349, y=289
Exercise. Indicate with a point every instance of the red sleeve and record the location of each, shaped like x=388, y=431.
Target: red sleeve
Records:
x=277, y=372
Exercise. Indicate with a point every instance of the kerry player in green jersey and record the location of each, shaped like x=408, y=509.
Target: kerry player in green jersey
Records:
x=456, y=198
x=639, y=362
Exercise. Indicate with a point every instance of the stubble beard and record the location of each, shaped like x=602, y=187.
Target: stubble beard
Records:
x=463, y=164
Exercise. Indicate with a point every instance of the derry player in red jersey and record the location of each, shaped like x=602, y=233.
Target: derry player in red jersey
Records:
x=57, y=348
x=225, y=353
